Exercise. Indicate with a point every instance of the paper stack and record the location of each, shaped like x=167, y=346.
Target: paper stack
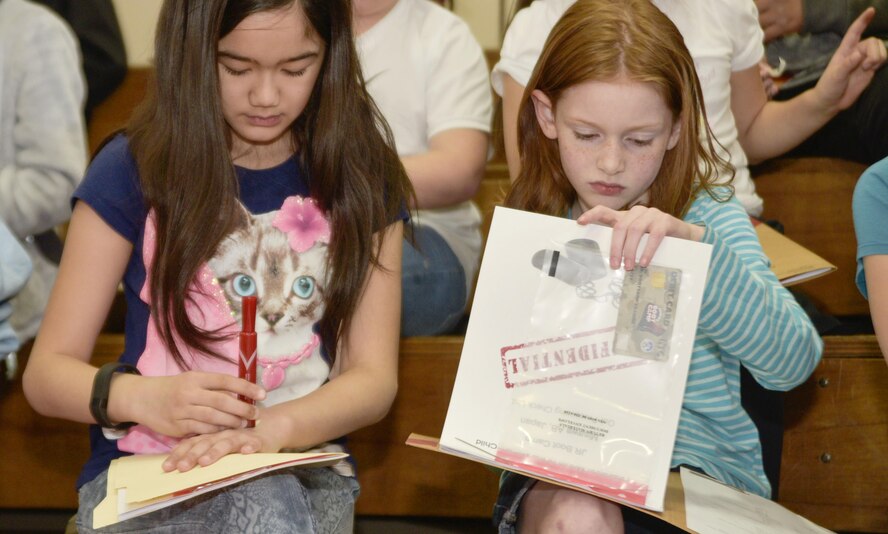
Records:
x=138, y=485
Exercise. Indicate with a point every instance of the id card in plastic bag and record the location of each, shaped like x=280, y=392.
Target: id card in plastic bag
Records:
x=648, y=304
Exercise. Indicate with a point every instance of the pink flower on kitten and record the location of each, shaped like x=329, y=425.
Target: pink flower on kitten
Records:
x=303, y=222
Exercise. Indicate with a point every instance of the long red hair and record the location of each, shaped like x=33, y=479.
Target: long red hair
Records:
x=602, y=40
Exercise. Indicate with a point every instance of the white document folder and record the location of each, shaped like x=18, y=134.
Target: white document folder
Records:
x=572, y=371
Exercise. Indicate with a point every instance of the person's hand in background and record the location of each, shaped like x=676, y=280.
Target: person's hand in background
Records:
x=768, y=74
x=780, y=17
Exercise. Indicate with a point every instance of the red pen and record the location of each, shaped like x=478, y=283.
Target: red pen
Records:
x=246, y=364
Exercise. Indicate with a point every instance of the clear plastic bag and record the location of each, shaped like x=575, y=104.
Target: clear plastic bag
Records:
x=592, y=362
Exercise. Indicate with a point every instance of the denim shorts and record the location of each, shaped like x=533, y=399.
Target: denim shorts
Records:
x=513, y=488
x=298, y=500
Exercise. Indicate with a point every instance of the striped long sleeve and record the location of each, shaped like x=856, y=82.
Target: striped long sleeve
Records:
x=747, y=318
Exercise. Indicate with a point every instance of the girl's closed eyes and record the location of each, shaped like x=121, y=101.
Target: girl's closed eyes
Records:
x=586, y=137
x=234, y=72
x=641, y=142
x=241, y=72
x=595, y=136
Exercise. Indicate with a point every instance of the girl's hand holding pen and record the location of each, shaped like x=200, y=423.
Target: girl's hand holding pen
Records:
x=189, y=403
x=630, y=225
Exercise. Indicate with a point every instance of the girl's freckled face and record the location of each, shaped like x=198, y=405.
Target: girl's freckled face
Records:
x=612, y=137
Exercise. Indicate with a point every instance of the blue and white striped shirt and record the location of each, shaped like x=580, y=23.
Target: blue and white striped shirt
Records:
x=747, y=318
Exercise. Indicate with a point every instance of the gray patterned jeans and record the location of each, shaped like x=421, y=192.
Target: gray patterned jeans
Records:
x=295, y=500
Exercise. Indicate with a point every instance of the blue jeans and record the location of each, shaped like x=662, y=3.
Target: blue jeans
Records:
x=297, y=500
x=433, y=287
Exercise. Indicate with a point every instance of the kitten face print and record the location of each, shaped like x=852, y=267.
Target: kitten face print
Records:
x=280, y=257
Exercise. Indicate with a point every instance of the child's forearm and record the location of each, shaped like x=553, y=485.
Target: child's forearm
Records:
x=347, y=403
x=58, y=378
x=59, y=385
x=450, y=172
x=782, y=126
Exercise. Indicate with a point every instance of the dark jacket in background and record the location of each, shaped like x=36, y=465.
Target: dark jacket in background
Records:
x=807, y=53
x=101, y=43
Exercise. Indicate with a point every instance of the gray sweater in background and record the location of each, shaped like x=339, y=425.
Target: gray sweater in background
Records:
x=42, y=138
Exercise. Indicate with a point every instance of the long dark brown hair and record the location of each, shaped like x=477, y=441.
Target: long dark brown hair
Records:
x=603, y=40
x=181, y=145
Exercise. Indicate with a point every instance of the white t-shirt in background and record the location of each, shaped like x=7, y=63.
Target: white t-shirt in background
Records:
x=427, y=74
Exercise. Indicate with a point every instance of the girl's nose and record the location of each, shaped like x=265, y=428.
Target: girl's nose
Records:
x=264, y=92
x=610, y=158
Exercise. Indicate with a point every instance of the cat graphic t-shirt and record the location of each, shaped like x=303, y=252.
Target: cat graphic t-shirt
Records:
x=278, y=254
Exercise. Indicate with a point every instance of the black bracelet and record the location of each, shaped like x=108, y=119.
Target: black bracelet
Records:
x=98, y=403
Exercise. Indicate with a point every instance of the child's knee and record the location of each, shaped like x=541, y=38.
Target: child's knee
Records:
x=548, y=508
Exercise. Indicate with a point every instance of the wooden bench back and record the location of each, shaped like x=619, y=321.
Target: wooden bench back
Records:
x=834, y=469
x=811, y=197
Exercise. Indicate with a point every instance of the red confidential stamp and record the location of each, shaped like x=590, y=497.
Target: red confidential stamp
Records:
x=561, y=358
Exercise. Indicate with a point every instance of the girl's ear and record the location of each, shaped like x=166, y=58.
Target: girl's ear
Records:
x=545, y=114
x=673, y=137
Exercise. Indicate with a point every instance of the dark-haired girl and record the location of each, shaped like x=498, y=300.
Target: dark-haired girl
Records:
x=258, y=166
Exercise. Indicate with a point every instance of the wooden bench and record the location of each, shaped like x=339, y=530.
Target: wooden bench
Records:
x=834, y=469
x=811, y=197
